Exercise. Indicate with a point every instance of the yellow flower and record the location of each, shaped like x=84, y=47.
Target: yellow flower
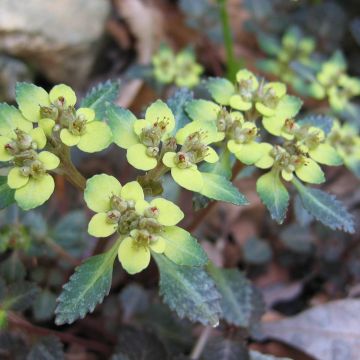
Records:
x=194, y=139
x=140, y=224
x=143, y=138
x=56, y=112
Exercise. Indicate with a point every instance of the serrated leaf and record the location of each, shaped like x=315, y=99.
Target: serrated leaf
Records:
x=20, y=296
x=36, y=223
x=44, y=305
x=320, y=121
x=14, y=344
x=121, y=122
x=301, y=215
x=70, y=232
x=225, y=349
x=135, y=344
x=99, y=96
x=189, y=291
x=182, y=248
x=6, y=194
x=48, y=348
x=174, y=332
x=240, y=301
x=217, y=187
x=12, y=269
x=177, y=103
x=325, y=208
x=273, y=194
x=222, y=167
x=86, y=288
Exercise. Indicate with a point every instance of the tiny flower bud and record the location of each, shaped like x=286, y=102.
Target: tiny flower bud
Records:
x=113, y=216
x=49, y=112
x=152, y=151
x=25, y=171
x=170, y=144
x=117, y=203
x=151, y=212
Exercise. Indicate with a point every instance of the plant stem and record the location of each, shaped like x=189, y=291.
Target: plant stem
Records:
x=228, y=40
x=200, y=343
x=66, y=167
x=21, y=323
x=61, y=252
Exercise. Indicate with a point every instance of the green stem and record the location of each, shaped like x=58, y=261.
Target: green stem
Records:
x=228, y=40
x=66, y=167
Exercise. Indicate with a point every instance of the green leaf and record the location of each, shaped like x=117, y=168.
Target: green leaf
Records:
x=303, y=218
x=44, y=305
x=135, y=344
x=288, y=107
x=86, y=288
x=99, y=97
x=182, y=248
x=134, y=300
x=12, y=269
x=241, y=303
x=297, y=238
x=6, y=194
x=268, y=66
x=48, y=348
x=202, y=110
x=325, y=208
x=220, y=89
x=222, y=167
x=189, y=291
x=71, y=232
x=257, y=251
x=20, y=296
x=177, y=103
x=217, y=187
x=225, y=349
x=273, y=194
x=121, y=122
x=269, y=44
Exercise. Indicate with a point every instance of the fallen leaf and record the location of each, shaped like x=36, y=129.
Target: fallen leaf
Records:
x=326, y=332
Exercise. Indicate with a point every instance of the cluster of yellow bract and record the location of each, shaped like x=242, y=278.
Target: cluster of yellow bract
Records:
x=180, y=69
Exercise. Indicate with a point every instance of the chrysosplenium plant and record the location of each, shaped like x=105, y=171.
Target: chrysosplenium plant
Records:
x=201, y=145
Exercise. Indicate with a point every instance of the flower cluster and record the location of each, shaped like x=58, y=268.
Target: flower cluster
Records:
x=334, y=83
x=346, y=140
x=294, y=47
x=57, y=114
x=21, y=145
x=44, y=119
x=303, y=146
x=150, y=144
x=181, y=69
x=138, y=223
